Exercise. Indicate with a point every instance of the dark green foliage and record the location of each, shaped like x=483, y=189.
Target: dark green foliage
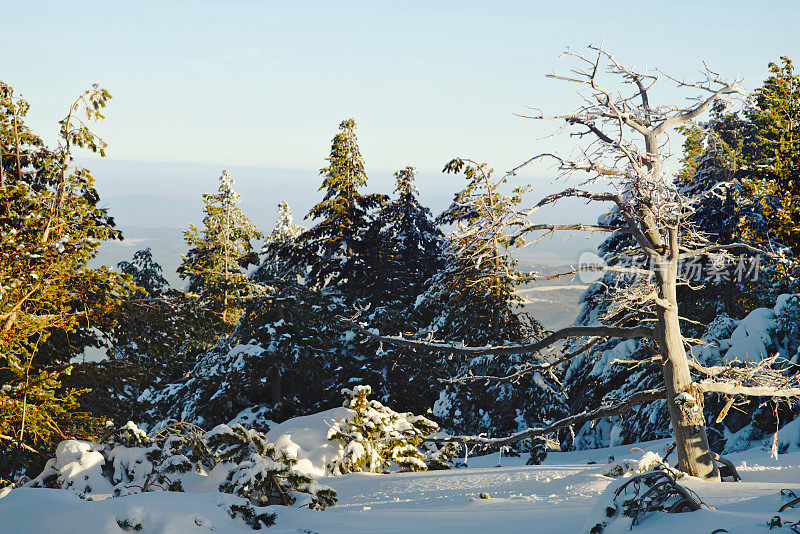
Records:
x=472, y=296
x=412, y=244
x=128, y=524
x=249, y=515
x=771, y=149
x=159, y=333
x=129, y=461
x=160, y=330
x=145, y=273
x=259, y=472
x=289, y=355
x=537, y=451
x=300, y=354
x=278, y=250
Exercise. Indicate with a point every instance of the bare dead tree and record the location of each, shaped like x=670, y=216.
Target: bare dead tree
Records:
x=626, y=136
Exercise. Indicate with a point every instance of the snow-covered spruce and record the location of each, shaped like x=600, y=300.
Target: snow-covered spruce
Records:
x=375, y=436
x=236, y=460
x=288, y=356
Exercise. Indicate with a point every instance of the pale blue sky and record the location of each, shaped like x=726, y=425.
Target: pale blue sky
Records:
x=259, y=83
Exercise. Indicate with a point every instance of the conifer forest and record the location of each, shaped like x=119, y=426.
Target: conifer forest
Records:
x=375, y=364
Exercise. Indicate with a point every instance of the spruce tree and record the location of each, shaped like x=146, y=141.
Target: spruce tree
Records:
x=413, y=250
x=339, y=250
x=160, y=330
x=279, y=249
x=145, y=272
x=220, y=253
x=475, y=290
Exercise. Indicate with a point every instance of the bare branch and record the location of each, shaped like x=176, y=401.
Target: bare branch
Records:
x=728, y=388
x=550, y=339
x=584, y=268
x=619, y=408
x=575, y=227
x=720, y=247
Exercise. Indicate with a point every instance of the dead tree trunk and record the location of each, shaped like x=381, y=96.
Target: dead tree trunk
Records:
x=684, y=403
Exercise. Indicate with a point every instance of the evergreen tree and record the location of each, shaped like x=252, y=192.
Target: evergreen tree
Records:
x=220, y=253
x=474, y=293
x=160, y=330
x=279, y=249
x=340, y=249
x=771, y=151
x=145, y=273
x=289, y=355
x=51, y=226
x=473, y=302
x=413, y=251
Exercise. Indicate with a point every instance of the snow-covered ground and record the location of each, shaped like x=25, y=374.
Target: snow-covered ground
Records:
x=556, y=497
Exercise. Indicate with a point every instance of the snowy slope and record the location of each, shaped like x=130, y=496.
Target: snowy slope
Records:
x=555, y=498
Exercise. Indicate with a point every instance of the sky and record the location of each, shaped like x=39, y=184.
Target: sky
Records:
x=200, y=86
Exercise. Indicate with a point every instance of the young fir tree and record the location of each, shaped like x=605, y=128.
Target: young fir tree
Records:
x=51, y=226
x=145, y=273
x=475, y=290
x=279, y=249
x=375, y=436
x=340, y=250
x=220, y=253
x=474, y=303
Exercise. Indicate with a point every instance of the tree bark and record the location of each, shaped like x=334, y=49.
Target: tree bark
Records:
x=685, y=413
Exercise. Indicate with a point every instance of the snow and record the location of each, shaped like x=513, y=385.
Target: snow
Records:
x=306, y=439
x=789, y=437
x=750, y=338
x=81, y=466
x=561, y=494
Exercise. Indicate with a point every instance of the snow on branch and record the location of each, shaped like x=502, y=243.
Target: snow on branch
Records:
x=729, y=388
x=619, y=408
x=725, y=247
x=752, y=379
x=550, y=339
x=624, y=270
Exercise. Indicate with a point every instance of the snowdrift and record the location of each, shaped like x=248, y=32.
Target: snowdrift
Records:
x=557, y=497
